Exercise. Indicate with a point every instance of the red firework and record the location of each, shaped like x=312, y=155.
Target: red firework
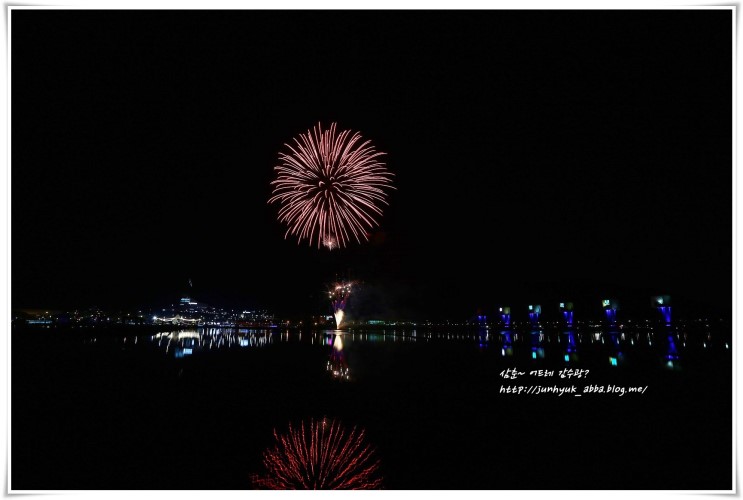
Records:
x=320, y=456
x=329, y=186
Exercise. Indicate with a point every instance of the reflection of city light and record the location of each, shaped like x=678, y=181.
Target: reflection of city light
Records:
x=338, y=343
x=188, y=342
x=613, y=361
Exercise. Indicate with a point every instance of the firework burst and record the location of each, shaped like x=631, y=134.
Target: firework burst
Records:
x=330, y=186
x=320, y=455
x=339, y=293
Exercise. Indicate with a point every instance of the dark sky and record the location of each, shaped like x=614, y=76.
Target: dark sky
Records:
x=538, y=156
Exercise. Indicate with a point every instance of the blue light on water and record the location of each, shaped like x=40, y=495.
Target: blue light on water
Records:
x=179, y=353
x=567, y=357
x=533, y=355
x=613, y=361
x=672, y=352
x=571, y=342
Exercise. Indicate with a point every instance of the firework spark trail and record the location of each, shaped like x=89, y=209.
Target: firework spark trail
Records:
x=339, y=293
x=329, y=186
x=324, y=456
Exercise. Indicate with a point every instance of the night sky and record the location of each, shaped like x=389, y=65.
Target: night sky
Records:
x=538, y=156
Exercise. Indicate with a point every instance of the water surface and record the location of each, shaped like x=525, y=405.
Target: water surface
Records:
x=196, y=408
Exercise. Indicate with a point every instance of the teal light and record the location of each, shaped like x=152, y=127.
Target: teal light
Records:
x=567, y=357
x=533, y=355
x=613, y=361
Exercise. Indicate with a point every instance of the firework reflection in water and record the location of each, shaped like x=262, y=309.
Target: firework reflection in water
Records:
x=337, y=365
x=320, y=455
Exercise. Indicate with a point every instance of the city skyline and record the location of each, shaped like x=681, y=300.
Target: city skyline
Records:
x=158, y=149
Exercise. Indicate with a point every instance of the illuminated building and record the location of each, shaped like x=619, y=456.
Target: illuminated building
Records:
x=176, y=319
x=534, y=312
x=610, y=309
x=663, y=304
x=567, y=312
x=505, y=315
x=255, y=319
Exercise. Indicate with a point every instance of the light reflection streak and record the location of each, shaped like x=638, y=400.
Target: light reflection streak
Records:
x=189, y=342
x=550, y=343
